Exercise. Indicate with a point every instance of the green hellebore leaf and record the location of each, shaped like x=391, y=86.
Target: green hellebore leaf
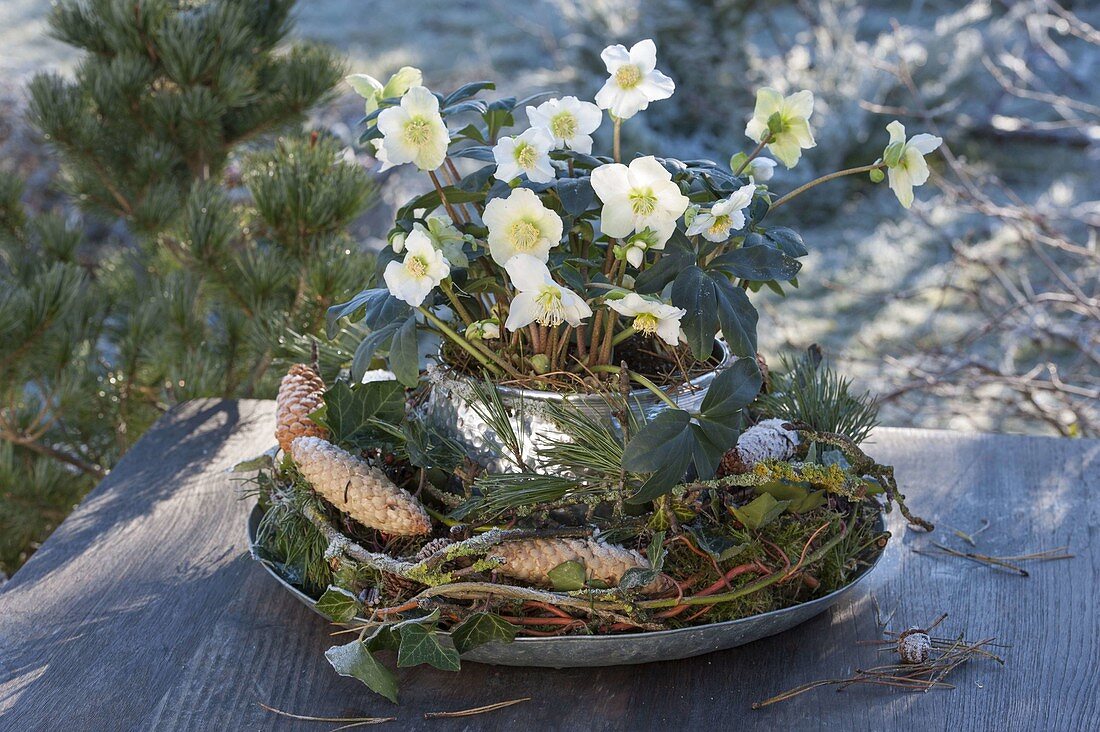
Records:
x=356, y=661
x=567, y=576
x=481, y=628
x=760, y=263
x=404, y=357
x=421, y=644
x=736, y=161
x=759, y=512
x=338, y=604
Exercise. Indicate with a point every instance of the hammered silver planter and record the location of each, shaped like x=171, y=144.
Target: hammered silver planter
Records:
x=572, y=651
x=448, y=409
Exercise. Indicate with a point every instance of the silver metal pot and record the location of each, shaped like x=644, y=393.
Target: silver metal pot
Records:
x=623, y=648
x=448, y=409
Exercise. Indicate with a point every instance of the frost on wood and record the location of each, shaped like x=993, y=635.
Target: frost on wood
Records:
x=300, y=394
x=531, y=560
x=359, y=489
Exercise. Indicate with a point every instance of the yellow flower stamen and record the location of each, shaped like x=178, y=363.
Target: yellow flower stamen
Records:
x=720, y=226
x=526, y=155
x=642, y=201
x=417, y=131
x=563, y=125
x=524, y=235
x=628, y=76
x=551, y=309
x=417, y=266
x=646, y=323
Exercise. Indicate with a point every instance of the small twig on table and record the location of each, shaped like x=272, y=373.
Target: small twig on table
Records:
x=969, y=538
x=475, y=710
x=944, y=656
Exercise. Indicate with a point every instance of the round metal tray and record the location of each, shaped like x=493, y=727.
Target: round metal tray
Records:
x=627, y=648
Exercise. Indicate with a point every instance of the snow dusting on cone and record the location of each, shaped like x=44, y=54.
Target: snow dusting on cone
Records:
x=359, y=489
x=300, y=394
x=768, y=440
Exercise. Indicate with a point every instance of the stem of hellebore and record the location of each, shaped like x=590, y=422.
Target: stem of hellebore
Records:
x=482, y=357
x=615, y=146
x=639, y=379
x=825, y=179
x=755, y=152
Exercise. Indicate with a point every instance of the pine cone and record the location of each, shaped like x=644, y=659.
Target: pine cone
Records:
x=300, y=394
x=431, y=548
x=768, y=440
x=359, y=489
x=396, y=588
x=530, y=560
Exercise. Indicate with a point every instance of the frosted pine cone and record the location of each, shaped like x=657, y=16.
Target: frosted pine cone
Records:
x=300, y=394
x=359, y=489
x=531, y=559
x=768, y=440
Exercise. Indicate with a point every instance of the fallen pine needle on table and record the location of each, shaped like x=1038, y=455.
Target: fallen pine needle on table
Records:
x=349, y=721
x=1006, y=563
x=475, y=710
x=930, y=661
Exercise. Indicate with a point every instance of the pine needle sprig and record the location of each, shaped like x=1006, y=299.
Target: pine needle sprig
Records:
x=809, y=390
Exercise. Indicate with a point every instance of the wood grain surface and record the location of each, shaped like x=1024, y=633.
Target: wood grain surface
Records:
x=143, y=611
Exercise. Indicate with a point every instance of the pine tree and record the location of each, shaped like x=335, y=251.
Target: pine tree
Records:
x=228, y=250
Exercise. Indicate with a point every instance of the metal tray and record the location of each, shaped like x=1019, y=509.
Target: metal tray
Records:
x=627, y=648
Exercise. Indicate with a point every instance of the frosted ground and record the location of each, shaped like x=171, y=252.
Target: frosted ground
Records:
x=883, y=292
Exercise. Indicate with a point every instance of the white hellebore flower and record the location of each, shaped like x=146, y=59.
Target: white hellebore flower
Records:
x=905, y=162
x=651, y=317
x=446, y=238
x=635, y=80
x=380, y=156
x=521, y=224
x=414, y=132
x=375, y=91
x=539, y=299
x=761, y=170
x=788, y=121
x=725, y=216
x=423, y=268
x=527, y=153
x=639, y=196
x=569, y=121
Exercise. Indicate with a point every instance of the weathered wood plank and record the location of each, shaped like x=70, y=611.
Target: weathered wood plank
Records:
x=144, y=612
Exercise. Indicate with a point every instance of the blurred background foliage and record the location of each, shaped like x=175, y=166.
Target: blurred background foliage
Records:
x=981, y=311
x=221, y=241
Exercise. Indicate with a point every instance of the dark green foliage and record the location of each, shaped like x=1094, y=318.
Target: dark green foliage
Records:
x=164, y=94
x=807, y=389
x=211, y=281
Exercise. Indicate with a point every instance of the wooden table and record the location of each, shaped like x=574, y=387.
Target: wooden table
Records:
x=143, y=611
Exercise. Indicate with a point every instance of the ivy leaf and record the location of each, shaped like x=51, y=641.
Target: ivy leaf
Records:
x=482, y=628
x=800, y=497
x=642, y=576
x=423, y=644
x=356, y=661
x=338, y=604
x=759, y=512
x=349, y=412
x=567, y=576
